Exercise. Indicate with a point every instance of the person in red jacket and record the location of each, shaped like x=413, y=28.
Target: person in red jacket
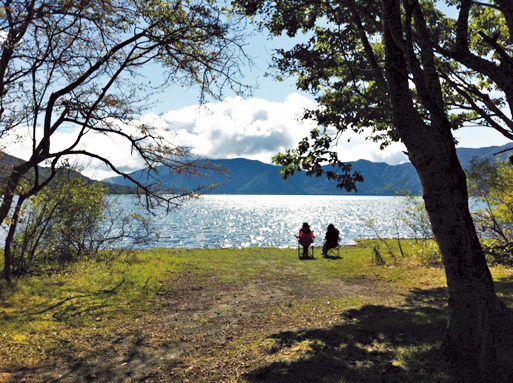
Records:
x=306, y=237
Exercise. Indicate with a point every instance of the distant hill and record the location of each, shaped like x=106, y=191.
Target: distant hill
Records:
x=6, y=161
x=465, y=154
x=255, y=177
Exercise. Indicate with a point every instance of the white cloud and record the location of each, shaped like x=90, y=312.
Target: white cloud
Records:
x=358, y=148
x=253, y=128
x=115, y=150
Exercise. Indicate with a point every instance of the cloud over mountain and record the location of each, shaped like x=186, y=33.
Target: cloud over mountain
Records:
x=250, y=128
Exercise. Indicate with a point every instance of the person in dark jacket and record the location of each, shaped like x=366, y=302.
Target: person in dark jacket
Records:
x=330, y=239
x=306, y=237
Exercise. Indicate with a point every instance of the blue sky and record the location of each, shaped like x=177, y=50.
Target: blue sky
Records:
x=255, y=127
x=216, y=135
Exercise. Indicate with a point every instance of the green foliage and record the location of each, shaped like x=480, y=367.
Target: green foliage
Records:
x=59, y=223
x=73, y=218
x=312, y=158
x=342, y=62
x=492, y=184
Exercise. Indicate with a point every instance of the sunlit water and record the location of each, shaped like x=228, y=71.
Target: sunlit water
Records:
x=235, y=221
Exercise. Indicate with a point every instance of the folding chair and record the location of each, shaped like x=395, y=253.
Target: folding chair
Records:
x=300, y=251
x=334, y=252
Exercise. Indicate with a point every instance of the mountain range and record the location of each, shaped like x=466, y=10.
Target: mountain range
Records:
x=245, y=176
x=254, y=177
x=7, y=161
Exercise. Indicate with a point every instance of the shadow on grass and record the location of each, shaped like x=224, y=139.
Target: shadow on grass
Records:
x=139, y=363
x=504, y=289
x=120, y=358
x=78, y=297
x=374, y=344
x=332, y=257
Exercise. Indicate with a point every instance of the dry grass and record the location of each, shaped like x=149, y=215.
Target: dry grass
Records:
x=250, y=315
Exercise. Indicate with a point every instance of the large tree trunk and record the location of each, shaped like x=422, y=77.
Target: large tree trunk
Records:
x=470, y=343
x=471, y=331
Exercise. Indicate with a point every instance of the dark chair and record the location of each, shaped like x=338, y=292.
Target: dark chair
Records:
x=310, y=250
x=333, y=252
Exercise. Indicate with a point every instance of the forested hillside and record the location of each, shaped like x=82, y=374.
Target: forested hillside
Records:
x=7, y=161
x=254, y=177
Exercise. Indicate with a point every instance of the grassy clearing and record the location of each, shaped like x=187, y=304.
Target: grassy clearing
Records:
x=86, y=298
x=246, y=315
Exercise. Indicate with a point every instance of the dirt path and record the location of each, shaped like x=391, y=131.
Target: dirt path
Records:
x=198, y=318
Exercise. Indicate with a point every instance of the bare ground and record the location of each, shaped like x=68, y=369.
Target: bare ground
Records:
x=187, y=338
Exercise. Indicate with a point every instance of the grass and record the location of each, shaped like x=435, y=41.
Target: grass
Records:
x=74, y=303
x=246, y=315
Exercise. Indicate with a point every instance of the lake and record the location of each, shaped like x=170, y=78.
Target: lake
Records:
x=236, y=221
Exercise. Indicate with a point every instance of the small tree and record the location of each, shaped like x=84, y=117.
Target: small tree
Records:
x=492, y=184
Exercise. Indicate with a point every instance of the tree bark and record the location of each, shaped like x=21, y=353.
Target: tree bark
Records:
x=471, y=330
x=8, y=195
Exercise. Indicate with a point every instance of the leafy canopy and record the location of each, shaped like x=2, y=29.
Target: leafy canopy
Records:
x=342, y=63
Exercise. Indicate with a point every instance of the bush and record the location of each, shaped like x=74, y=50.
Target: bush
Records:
x=72, y=219
x=58, y=224
x=492, y=184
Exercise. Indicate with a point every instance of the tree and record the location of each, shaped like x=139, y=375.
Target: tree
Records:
x=76, y=66
x=409, y=73
x=492, y=184
x=59, y=224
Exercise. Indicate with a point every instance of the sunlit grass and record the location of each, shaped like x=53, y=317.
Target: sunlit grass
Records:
x=70, y=314
x=88, y=298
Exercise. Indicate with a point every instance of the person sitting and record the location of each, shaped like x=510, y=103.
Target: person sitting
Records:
x=306, y=237
x=330, y=239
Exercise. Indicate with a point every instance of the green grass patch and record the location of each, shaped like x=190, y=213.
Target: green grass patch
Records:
x=247, y=315
x=85, y=298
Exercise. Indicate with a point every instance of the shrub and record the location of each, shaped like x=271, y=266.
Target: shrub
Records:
x=492, y=184
x=59, y=223
x=70, y=219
